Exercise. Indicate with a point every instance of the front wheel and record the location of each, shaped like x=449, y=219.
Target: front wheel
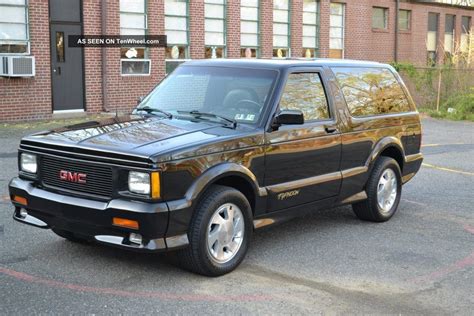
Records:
x=384, y=189
x=219, y=233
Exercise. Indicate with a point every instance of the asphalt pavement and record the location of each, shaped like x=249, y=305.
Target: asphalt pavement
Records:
x=419, y=262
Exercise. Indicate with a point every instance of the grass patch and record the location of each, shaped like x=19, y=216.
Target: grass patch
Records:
x=458, y=107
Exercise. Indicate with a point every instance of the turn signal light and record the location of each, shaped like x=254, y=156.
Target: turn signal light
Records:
x=123, y=222
x=155, y=185
x=20, y=200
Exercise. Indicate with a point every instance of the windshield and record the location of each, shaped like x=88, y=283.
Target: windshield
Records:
x=235, y=93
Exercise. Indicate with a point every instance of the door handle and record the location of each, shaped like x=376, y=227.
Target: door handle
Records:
x=330, y=129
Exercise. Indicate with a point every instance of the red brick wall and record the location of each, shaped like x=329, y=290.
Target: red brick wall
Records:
x=196, y=29
x=324, y=28
x=363, y=42
x=29, y=99
x=93, y=56
x=296, y=27
x=233, y=29
x=266, y=28
x=23, y=99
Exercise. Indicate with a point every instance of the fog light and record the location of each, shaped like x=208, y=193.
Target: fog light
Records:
x=23, y=213
x=135, y=238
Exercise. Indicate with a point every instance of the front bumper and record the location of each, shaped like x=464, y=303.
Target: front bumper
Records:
x=93, y=219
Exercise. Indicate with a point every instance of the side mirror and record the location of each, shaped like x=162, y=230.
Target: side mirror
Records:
x=140, y=99
x=289, y=117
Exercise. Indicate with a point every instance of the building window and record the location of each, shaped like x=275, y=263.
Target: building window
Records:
x=215, y=24
x=281, y=28
x=380, y=18
x=465, y=31
x=449, y=36
x=432, y=38
x=133, y=21
x=249, y=28
x=336, y=31
x=404, y=20
x=177, y=32
x=14, y=37
x=310, y=28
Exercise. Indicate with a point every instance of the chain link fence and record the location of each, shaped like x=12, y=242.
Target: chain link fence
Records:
x=441, y=89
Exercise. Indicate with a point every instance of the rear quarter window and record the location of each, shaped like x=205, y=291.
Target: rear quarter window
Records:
x=371, y=91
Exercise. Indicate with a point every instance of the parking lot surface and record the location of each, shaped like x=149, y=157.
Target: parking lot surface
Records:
x=421, y=261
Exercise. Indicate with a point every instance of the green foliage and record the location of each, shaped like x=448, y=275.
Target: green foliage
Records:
x=462, y=104
x=456, y=89
x=461, y=107
x=406, y=68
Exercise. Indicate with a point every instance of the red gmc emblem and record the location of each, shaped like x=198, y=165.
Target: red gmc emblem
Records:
x=69, y=176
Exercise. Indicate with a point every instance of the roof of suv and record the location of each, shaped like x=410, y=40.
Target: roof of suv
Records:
x=283, y=63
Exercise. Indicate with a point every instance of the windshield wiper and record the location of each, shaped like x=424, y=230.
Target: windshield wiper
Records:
x=198, y=114
x=150, y=110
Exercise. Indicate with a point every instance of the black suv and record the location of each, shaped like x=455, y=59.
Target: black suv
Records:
x=220, y=148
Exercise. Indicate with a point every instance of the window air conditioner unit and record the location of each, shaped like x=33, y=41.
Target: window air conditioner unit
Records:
x=17, y=66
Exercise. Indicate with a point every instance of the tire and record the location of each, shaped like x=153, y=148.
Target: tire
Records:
x=71, y=236
x=205, y=257
x=371, y=209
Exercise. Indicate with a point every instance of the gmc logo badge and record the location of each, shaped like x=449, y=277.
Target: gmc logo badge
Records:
x=69, y=176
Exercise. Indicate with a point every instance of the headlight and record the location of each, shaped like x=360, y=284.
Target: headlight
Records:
x=139, y=182
x=28, y=163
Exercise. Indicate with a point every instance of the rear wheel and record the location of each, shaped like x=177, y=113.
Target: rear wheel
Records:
x=384, y=188
x=219, y=233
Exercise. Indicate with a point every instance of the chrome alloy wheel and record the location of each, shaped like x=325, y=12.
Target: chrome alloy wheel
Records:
x=387, y=190
x=225, y=233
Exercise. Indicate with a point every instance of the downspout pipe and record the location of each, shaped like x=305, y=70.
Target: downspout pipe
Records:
x=397, y=9
x=105, y=103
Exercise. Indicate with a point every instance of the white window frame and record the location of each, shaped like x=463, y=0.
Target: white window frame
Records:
x=288, y=35
x=243, y=19
x=343, y=29
x=146, y=52
x=316, y=24
x=224, y=23
x=27, y=25
x=187, y=49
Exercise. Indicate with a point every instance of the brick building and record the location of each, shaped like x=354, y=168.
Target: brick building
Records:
x=98, y=79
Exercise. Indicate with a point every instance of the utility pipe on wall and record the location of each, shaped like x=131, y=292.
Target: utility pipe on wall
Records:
x=397, y=8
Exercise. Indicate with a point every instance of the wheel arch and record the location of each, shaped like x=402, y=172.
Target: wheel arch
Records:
x=388, y=147
x=229, y=174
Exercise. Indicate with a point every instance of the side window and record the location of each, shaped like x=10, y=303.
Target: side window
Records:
x=371, y=91
x=305, y=92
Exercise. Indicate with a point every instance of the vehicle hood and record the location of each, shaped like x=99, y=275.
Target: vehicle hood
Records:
x=131, y=135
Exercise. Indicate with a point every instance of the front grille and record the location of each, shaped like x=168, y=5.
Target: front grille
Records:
x=98, y=182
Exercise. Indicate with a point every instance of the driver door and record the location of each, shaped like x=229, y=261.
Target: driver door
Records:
x=303, y=161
